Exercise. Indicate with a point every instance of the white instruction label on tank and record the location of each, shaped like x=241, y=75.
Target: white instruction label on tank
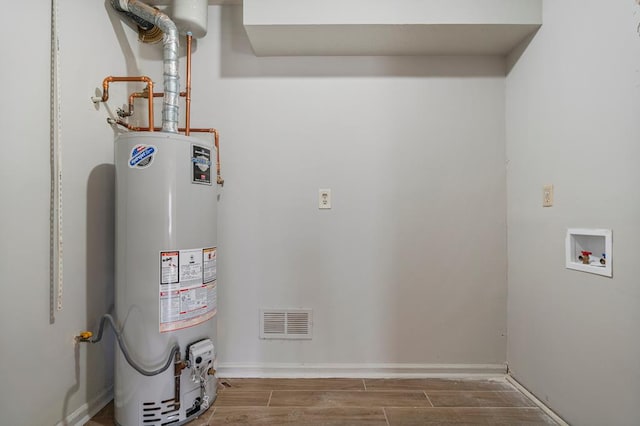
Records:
x=210, y=265
x=191, y=266
x=188, y=294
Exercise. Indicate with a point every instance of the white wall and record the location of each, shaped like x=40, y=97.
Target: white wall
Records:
x=24, y=228
x=408, y=267
x=573, y=101
x=45, y=377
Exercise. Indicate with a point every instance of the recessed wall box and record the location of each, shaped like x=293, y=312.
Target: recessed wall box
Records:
x=589, y=250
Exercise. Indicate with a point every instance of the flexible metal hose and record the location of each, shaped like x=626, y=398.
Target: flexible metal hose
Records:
x=123, y=347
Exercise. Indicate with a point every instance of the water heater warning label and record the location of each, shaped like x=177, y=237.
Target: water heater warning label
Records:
x=210, y=265
x=188, y=293
x=201, y=164
x=169, y=267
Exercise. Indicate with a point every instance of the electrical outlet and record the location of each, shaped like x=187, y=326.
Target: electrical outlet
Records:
x=547, y=195
x=324, y=198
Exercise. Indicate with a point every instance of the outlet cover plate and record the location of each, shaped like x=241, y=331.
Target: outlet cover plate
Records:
x=324, y=198
x=547, y=195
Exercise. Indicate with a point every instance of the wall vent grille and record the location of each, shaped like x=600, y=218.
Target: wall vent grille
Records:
x=285, y=323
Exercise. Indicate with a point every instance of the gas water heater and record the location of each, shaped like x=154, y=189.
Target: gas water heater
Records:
x=166, y=276
x=166, y=245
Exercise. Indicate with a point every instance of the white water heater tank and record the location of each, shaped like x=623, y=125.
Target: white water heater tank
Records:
x=190, y=16
x=166, y=290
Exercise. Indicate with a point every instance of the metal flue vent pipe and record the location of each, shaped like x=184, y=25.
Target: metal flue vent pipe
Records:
x=170, y=61
x=135, y=20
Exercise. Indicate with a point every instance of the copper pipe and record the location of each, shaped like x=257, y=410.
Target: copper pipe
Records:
x=219, y=179
x=139, y=95
x=112, y=79
x=216, y=137
x=144, y=79
x=146, y=129
x=178, y=366
x=129, y=111
x=134, y=95
x=131, y=127
x=187, y=125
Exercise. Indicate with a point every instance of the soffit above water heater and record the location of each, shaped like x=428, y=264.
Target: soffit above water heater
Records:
x=389, y=27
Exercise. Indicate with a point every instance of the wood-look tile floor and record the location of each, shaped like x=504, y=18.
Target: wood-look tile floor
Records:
x=371, y=402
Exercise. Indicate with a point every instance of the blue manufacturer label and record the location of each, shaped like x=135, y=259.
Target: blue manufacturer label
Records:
x=142, y=156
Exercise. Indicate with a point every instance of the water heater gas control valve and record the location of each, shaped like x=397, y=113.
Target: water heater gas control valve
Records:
x=201, y=357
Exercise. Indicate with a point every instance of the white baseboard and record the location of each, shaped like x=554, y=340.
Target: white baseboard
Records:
x=89, y=409
x=536, y=401
x=362, y=371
